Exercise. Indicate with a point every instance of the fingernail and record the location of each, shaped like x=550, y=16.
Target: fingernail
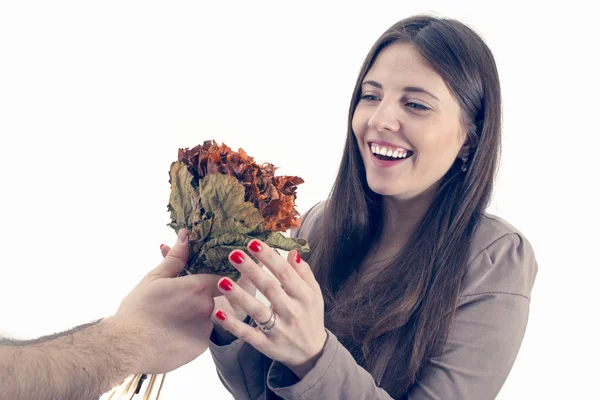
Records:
x=221, y=315
x=237, y=257
x=255, y=246
x=226, y=285
x=298, y=259
x=182, y=236
x=161, y=246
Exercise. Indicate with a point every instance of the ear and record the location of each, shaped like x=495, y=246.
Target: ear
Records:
x=466, y=147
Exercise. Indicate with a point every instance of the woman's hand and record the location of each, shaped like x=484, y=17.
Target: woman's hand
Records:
x=222, y=303
x=298, y=335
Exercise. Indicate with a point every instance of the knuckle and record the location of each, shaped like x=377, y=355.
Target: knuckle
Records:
x=272, y=289
x=237, y=296
x=293, y=324
x=261, y=315
x=253, y=270
x=197, y=286
x=205, y=307
x=271, y=257
x=305, y=297
x=268, y=255
x=285, y=274
x=175, y=256
x=244, y=334
x=295, y=314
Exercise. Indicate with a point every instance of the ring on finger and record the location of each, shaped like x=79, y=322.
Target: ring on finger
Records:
x=269, y=324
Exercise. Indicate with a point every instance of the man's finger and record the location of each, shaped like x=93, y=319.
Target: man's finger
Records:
x=213, y=281
x=207, y=283
x=164, y=250
x=175, y=259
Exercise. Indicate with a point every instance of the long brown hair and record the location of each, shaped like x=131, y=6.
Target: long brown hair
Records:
x=410, y=305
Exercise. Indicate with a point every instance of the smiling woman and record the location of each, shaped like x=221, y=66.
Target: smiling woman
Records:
x=420, y=293
x=419, y=128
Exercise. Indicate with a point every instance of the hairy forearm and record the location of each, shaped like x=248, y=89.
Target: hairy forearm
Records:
x=79, y=364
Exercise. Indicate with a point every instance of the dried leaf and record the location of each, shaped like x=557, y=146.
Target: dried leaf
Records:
x=279, y=241
x=274, y=196
x=223, y=196
x=225, y=200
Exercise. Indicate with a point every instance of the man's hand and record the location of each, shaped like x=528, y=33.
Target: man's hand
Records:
x=169, y=315
x=161, y=325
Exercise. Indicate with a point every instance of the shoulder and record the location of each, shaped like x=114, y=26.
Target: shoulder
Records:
x=500, y=259
x=309, y=220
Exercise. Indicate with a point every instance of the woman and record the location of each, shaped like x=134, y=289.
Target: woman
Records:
x=411, y=290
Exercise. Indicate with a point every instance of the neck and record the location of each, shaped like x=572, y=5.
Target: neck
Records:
x=400, y=218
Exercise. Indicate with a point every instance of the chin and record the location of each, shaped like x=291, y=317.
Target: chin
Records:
x=382, y=188
x=385, y=189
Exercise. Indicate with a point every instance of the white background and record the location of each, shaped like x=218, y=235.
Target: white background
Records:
x=96, y=98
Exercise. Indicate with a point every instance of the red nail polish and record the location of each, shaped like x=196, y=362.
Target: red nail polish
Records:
x=237, y=257
x=161, y=246
x=226, y=285
x=221, y=315
x=255, y=246
x=298, y=259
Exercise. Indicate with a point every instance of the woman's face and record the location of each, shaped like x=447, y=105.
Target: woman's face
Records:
x=407, y=112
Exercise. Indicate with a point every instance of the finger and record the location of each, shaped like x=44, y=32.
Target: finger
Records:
x=242, y=299
x=279, y=267
x=164, y=250
x=211, y=282
x=176, y=258
x=247, y=285
x=264, y=282
x=303, y=269
x=247, y=333
x=206, y=284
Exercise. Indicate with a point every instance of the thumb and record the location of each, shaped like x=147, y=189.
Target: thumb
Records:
x=176, y=258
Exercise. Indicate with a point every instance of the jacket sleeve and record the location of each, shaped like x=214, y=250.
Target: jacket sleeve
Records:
x=241, y=368
x=484, y=340
x=489, y=325
x=336, y=375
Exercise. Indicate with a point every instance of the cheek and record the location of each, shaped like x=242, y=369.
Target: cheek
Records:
x=438, y=151
x=356, y=126
x=359, y=122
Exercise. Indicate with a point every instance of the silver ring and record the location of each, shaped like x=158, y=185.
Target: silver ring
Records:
x=269, y=324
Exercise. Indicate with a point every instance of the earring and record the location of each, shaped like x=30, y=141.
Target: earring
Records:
x=465, y=159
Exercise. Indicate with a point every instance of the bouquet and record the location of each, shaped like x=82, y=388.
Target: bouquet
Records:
x=224, y=199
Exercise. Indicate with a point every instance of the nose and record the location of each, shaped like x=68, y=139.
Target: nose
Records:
x=385, y=117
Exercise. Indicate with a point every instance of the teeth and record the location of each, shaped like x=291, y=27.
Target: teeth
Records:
x=384, y=151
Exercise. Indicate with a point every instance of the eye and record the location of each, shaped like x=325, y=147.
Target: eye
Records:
x=369, y=97
x=417, y=106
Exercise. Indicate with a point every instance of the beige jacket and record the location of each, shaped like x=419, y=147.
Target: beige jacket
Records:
x=484, y=340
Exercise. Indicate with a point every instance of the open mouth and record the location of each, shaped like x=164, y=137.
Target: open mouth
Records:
x=388, y=153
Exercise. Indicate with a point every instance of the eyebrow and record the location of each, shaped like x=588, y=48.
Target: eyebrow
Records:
x=410, y=89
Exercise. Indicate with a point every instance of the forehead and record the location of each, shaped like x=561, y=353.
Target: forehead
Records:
x=400, y=64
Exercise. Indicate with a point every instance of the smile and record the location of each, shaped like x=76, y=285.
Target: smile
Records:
x=389, y=153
